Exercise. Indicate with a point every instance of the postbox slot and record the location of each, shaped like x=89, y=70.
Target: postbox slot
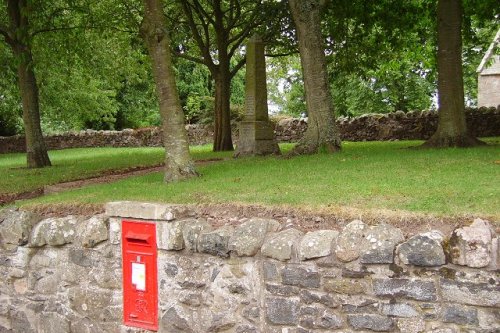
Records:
x=136, y=238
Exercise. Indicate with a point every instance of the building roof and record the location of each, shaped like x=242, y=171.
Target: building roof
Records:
x=490, y=54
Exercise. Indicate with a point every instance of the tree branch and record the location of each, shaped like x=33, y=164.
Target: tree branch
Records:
x=5, y=33
x=190, y=58
x=238, y=66
x=277, y=55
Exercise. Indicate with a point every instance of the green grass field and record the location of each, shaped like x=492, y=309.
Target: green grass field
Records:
x=366, y=175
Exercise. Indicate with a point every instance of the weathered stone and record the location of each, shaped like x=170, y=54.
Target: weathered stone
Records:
x=270, y=271
x=172, y=322
x=345, y=286
x=315, y=318
x=414, y=325
x=54, y=232
x=460, y=315
x=21, y=323
x=302, y=277
x=169, y=235
x=379, y=243
x=249, y=236
x=191, y=231
x=414, y=289
x=216, y=242
x=281, y=245
x=221, y=322
x=80, y=257
x=481, y=294
x=16, y=226
x=52, y=322
x=147, y=211
x=399, y=310
x=371, y=322
x=115, y=231
x=251, y=313
x=348, y=243
x=282, y=311
x=471, y=246
x=246, y=329
x=280, y=290
x=309, y=297
x=317, y=244
x=359, y=304
x=423, y=250
x=93, y=231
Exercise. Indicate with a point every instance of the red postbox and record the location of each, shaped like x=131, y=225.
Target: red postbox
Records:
x=140, y=288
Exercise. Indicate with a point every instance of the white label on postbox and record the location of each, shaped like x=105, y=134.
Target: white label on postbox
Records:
x=139, y=276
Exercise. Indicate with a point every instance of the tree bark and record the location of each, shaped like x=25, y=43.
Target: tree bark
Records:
x=452, y=128
x=178, y=162
x=222, y=122
x=36, y=150
x=321, y=134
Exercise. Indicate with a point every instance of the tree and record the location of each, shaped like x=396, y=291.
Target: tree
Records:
x=178, y=162
x=321, y=134
x=452, y=128
x=218, y=29
x=18, y=36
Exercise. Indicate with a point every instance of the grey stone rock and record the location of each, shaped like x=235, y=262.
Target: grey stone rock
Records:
x=471, y=246
x=54, y=232
x=282, y=311
x=20, y=322
x=93, y=231
x=399, y=310
x=16, y=226
x=315, y=318
x=348, y=242
x=460, y=315
x=316, y=244
x=169, y=235
x=270, y=271
x=249, y=236
x=413, y=325
x=251, y=313
x=414, y=289
x=379, y=244
x=371, y=322
x=221, y=322
x=191, y=231
x=115, y=230
x=281, y=245
x=80, y=257
x=246, y=329
x=326, y=299
x=280, y=290
x=301, y=277
x=216, y=242
x=172, y=322
x=53, y=322
x=147, y=211
x=482, y=294
x=423, y=250
x=345, y=286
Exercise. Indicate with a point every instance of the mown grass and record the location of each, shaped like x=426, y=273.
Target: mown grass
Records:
x=378, y=175
x=80, y=163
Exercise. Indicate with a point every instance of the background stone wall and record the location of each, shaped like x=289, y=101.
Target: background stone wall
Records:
x=415, y=125
x=64, y=275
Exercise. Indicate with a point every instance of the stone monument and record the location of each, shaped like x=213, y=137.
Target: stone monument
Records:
x=256, y=131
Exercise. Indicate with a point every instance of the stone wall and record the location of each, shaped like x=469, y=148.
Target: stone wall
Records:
x=64, y=275
x=413, y=125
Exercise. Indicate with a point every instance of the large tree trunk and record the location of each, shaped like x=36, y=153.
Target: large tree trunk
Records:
x=36, y=150
x=452, y=128
x=178, y=162
x=222, y=122
x=321, y=134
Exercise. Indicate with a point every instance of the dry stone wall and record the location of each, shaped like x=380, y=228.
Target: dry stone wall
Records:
x=415, y=125
x=64, y=275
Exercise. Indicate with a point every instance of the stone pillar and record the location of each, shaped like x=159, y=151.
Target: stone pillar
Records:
x=256, y=131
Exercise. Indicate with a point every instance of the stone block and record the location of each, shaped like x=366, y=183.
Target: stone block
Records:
x=320, y=319
x=54, y=232
x=270, y=271
x=399, y=310
x=301, y=277
x=175, y=322
x=191, y=231
x=326, y=299
x=413, y=325
x=93, y=231
x=169, y=235
x=371, y=322
x=281, y=245
x=249, y=236
x=460, y=315
x=414, y=289
x=280, y=290
x=115, y=230
x=423, y=250
x=317, y=244
x=53, y=322
x=379, y=243
x=348, y=243
x=16, y=226
x=216, y=242
x=147, y=211
x=282, y=311
x=345, y=286
x=482, y=294
x=471, y=246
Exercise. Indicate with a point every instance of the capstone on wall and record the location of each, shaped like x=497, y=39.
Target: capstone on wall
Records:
x=414, y=125
x=64, y=275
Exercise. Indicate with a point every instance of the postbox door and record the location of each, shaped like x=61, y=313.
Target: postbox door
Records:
x=140, y=288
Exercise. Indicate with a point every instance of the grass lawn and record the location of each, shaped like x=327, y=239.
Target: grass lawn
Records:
x=378, y=175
